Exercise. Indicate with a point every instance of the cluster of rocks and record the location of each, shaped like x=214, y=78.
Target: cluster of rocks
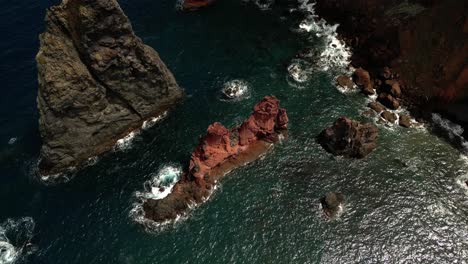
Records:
x=386, y=86
x=218, y=152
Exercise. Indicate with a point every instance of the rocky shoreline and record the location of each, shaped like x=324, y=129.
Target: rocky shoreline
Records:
x=423, y=44
x=220, y=151
x=98, y=82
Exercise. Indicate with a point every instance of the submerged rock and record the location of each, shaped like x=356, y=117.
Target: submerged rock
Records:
x=218, y=152
x=345, y=82
x=332, y=203
x=349, y=138
x=235, y=89
x=97, y=82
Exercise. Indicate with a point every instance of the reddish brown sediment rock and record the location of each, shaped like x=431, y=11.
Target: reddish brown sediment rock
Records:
x=422, y=44
x=191, y=5
x=349, y=138
x=218, y=152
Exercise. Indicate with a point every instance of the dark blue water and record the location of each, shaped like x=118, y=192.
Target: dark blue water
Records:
x=405, y=203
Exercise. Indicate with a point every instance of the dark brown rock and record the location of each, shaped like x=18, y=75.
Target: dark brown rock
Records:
x=388, y=101
x=405, y=121
x=331, y=203
x=345, y=82
x=97, y=82
x=389, y=116
x=376, y=106
x=349, y=138
x=363, y=80
x=385, y=73
x=393, y=87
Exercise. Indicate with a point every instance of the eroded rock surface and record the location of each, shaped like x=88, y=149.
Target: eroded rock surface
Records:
x=349, y=138
x=218, y=152
x=97, y=82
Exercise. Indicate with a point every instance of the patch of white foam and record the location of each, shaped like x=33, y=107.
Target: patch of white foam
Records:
x=153, y=121
x=235, y=90
x=158, y=187
x=126, y=142
x=300, y=70
x=12, y=141
x=453, y=130
x=15, y=239
x=335, y=55
x=161, y=184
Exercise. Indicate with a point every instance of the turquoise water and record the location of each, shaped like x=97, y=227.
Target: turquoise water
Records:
x=405, y=203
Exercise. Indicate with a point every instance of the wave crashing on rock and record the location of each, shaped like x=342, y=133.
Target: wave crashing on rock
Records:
x=15, y=237
x=334, y=56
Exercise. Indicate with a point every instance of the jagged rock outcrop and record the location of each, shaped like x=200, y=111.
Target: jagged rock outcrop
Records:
x=218, y=152
x=349, y=138
x=97, y=82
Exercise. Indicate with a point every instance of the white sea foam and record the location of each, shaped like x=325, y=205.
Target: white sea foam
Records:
x=15, y=239
x=126, y=142
x=153, y=121
x=158, y=187
x=235, y=90
x=12, y=141
x=161, y=183
x=335, y=54
x=453, y=130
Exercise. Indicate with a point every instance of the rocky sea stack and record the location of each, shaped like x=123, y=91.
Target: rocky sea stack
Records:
x=349, y=138
x=97, y=82
x=218, y=152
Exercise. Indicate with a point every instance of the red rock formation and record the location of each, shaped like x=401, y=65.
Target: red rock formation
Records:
x=219, y=151
x=192, y=5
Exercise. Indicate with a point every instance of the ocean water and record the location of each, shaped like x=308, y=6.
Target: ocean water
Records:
x=405, y=203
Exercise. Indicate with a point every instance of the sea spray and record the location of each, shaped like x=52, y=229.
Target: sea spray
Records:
x=158, y=187
x=452, y=130
x=235, y=90
x=15, y=239
x=334, y=55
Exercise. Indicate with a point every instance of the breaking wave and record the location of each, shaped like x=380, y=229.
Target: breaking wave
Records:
x=235, y=90
x=158, y=187
x=334, y=55
x=15, y=239
x=452, y=130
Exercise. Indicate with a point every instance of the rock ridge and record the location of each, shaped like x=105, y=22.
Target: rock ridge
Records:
x=218, y=152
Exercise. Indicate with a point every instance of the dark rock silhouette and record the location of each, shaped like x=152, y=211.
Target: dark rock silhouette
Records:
x=349, y=138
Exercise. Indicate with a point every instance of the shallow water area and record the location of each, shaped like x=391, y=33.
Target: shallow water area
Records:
x=405, y=202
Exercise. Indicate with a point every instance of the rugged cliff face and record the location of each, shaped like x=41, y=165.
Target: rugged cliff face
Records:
x=425, y=42
x=97, y=82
